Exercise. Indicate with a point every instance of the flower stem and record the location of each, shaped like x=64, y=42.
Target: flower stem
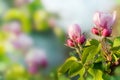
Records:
x=105, y=49
x=78, y=52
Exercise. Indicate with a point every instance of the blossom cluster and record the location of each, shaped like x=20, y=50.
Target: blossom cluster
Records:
x=103, y=27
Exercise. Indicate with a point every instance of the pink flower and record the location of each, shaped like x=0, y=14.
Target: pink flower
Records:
x=70, y=43
x=104, y=20
x=106, y=32
x=103, y=23
x=74, y=31
x=95, y=31
x=36, y=59
x=81, y=39
x=75, y=36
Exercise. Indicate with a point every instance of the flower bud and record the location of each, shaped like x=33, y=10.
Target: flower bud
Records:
x=70, y=43
x=74, y=31
x=106, y=32
x=104, y=20
x=81, y=40
x=95, y=31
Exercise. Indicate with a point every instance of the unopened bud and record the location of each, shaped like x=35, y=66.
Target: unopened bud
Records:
x=106, y=32
x=81, y=39
x=95, y=31
x=70, y=43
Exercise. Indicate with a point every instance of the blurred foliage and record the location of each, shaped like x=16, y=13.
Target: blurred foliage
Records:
x=33, y=18
x=118, y=1
x=18, y=71
x=15, y=14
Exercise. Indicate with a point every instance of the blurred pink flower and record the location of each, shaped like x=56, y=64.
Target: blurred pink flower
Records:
x=20, y=3
x=22, y=42
x=104, y=20
x=33, y=69
x=74, y=31
x=52, y=22
x=36, y=59
x=13, y=27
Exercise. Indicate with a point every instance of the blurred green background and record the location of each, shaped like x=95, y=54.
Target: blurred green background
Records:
x=24, y=21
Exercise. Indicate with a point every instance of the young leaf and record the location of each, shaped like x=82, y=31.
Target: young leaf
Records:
x=115, y=48
x=94, y=42
x=96, y=73
x=81, y=73
x=90, y=53
x=99, y=58
x=93, y=53
x=116, y=42
x=74, y=69
x=86, y=53
x=64, y=68
x=71, y=65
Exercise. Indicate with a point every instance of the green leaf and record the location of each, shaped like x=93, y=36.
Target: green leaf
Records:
x=106, y=66
x=109, y=41
x=115, y=48
x=81, y=73
x=94, y=42
x=117, y=70
x=62, y=78
x=118, y=53
x=98, y=65
x=86, y=53
x=74, y=68
x=106, y=77
x=64, y=68
x=116, y=42
x=96, y=73
x=99, y=59
x=92, y=54
x=71, y=65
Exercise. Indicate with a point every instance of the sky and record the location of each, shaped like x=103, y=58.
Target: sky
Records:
x=77, y=11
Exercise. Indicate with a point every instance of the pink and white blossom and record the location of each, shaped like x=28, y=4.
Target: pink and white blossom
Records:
x=103, y=23
x=74, y=31
x=104, y=20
